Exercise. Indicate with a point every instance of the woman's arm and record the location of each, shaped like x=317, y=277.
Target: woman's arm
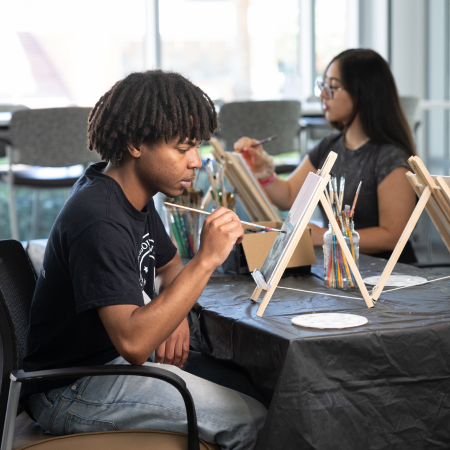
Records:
x=281, y=192
x=396, y=202
x=284, y=192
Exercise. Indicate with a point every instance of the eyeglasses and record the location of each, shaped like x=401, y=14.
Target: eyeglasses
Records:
x=329, y=91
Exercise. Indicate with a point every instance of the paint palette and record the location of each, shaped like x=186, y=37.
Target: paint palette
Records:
x=396, y=280
x=329, y=320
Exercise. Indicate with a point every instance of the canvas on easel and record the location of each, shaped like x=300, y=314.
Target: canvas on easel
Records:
x=253, y=198
x=310, y=194
x=434, y=196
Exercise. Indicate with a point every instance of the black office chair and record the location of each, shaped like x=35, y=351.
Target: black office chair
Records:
x=17, y=284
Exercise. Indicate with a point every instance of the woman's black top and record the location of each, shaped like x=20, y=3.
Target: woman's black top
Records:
x=371, y=161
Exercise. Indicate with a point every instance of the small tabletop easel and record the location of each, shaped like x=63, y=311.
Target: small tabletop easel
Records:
x=434, y=196
x=295, y=224
x=252, y=196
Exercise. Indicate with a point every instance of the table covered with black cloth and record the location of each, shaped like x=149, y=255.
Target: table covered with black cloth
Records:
x=383, y=385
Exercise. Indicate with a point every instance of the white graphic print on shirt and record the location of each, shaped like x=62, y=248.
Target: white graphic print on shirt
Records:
x=145, y=253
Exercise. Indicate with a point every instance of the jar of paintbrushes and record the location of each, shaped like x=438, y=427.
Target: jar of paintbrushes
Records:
x=337, y=272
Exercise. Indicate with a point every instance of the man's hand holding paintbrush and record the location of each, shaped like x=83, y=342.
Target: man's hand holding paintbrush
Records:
x=260, y=163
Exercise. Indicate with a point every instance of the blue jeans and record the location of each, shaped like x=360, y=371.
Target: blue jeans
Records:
x=225, y=417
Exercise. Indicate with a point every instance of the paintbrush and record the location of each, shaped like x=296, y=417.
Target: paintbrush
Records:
x=336, y=193
x=263, y=141
x=222, y=182
x=245, y=223
x=352, y=212
x=331, y=188
x=211, y=177
x=341, y=191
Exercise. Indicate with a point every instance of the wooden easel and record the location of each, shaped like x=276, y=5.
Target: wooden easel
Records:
x=252, y=196
x=271, y=284
x=434, y=196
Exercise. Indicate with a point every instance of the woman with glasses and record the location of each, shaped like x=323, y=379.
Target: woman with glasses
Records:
x=373, y=141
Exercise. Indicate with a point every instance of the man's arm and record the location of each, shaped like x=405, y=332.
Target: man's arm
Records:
x=175, y=349
x=137, y=331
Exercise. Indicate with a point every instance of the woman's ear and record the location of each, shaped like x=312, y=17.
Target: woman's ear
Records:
x=133, y=149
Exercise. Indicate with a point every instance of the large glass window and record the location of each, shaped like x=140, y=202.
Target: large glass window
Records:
x=59, y=53
x=330, y=21
x=236, y=50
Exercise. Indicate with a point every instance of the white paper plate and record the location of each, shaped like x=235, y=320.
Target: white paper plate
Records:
x=329, y=320
x=396, y=280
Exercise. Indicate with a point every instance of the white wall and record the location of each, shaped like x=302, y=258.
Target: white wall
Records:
x=373, y=25
x=408, y=46
x=306, y=42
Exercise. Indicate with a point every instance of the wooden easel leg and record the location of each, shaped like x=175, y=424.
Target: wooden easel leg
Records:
x=256, y=294
x=265, y=301
x=376, y=291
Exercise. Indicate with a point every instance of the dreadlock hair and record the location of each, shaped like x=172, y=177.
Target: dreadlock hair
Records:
x=145, y=106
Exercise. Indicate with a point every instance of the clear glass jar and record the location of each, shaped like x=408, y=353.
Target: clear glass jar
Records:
x=336, y=270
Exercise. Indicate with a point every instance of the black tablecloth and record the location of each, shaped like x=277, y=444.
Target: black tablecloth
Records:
x=384, y=385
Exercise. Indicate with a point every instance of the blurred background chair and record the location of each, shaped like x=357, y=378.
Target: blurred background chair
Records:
x=17, y=284
x=48, y=149
x=261, y=119
x=6, y=112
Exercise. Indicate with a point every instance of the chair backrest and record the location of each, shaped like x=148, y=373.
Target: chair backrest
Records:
x=259, y=120
x=17, y=284
x=410, y=106
x=4, y=134
x=9, y=107
x=52, y=137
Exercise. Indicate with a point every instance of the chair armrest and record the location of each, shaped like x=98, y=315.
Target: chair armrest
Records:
x=145, y=371
x=87, y=371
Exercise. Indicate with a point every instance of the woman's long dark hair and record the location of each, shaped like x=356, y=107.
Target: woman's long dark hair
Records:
x=366, y=76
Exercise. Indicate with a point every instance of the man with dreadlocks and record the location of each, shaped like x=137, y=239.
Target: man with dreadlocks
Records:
x=95, y=300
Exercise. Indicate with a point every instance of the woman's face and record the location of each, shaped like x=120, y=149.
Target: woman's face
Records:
x=340, y=107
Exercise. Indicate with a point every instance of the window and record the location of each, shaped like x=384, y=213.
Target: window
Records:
x=233, y=50
x=330, y=21
x=60, y=53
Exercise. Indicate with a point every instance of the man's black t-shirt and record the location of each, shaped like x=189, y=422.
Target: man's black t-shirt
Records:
x=101, y=251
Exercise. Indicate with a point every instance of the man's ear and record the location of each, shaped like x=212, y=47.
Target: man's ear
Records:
x=133, y=149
